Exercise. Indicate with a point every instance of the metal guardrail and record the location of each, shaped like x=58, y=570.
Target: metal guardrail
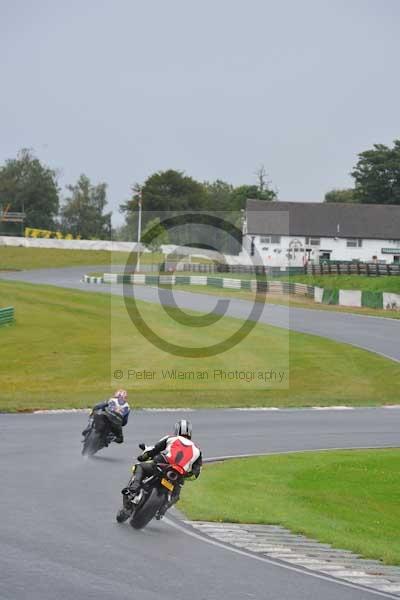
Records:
x=269, y=287
x=7, y=315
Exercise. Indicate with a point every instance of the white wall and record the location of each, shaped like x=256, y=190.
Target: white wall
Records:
x=276, y=254
x=27, y=242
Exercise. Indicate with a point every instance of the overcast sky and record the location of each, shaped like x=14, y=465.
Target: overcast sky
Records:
x=120, y=89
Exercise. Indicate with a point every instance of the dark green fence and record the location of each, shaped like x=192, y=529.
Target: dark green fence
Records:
x=6, y=315
x=352, y=268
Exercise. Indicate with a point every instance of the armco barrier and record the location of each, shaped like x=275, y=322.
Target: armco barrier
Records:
x=271, y=287
x=93, y=279
x=372, y=299
x=330, y=296
x=350, y=298
x=358, y=298
x=7, y=315
x=355, y=298
x=391, y=301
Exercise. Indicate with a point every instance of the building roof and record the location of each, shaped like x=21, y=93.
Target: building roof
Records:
x=324, y=219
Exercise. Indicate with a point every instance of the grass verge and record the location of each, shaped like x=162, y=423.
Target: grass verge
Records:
x=16, y=258
x=350, y=499
x=19, y=258
x=63, y=347
x=287, y=300
x=383, y=283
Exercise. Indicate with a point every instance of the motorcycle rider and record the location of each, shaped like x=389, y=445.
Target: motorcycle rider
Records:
x=116, y=410
x=173, y=449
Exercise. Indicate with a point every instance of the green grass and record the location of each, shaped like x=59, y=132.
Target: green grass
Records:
x=384, y=283
x=18, y=258
x=295, y=301
x=350, y=499
x=58, y=354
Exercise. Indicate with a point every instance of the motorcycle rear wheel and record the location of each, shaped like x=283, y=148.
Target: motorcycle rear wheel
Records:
x=145, y=513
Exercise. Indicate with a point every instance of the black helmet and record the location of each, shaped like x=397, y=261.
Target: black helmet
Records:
x=183, y=428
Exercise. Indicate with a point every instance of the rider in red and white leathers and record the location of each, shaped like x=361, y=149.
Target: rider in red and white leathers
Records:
x=174, y=449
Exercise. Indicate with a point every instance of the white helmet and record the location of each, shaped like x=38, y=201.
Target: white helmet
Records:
x=183, y=428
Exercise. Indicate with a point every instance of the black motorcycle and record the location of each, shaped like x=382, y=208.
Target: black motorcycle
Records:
x=156, y=490
x=101, y=434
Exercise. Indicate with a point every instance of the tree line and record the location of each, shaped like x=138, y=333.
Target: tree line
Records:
x=28, y=185
x=376, y=177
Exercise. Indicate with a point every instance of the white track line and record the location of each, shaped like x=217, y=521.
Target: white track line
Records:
x=55, y=411
x=333, y=408
x=275, y=452
x=276, y=563
x=271, y=561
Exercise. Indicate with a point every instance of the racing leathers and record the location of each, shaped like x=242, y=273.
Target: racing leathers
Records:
x=176, y=450
x=113, y=414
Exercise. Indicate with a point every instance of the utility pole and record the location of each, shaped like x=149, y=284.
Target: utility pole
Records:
x=139, y=235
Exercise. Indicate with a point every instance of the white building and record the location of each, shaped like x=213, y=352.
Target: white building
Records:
x=295, y=233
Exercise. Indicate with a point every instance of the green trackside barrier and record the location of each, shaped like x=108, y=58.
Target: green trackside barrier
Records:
x=182, y=279
x=123, y=279
x=152, y=279
x=262, y=286
x=372, y=299
x=245, y=284
x=215, y=281
x=7, y=315
x=330, y=297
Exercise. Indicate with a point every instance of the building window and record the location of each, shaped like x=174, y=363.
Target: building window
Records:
x=270, y=239
x=352, y=243
x=312, y=241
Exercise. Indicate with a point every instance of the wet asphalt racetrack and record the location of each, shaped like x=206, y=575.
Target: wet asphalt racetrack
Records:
x=58, y=535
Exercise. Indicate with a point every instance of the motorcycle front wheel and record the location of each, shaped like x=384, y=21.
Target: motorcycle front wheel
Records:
x=123, y=515
x=92, y=443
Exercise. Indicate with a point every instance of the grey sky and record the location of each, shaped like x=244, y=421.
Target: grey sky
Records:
x=121, y=89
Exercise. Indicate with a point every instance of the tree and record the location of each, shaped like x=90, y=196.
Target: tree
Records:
x=263, y=184
x=31, y=187
x=344, y=195
x=82, y=214
x=377, y=175
x=172, y=191
x=165, y=193
x=219, y=195
x=154, y=235
x=169, y=192
x=242, y=193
